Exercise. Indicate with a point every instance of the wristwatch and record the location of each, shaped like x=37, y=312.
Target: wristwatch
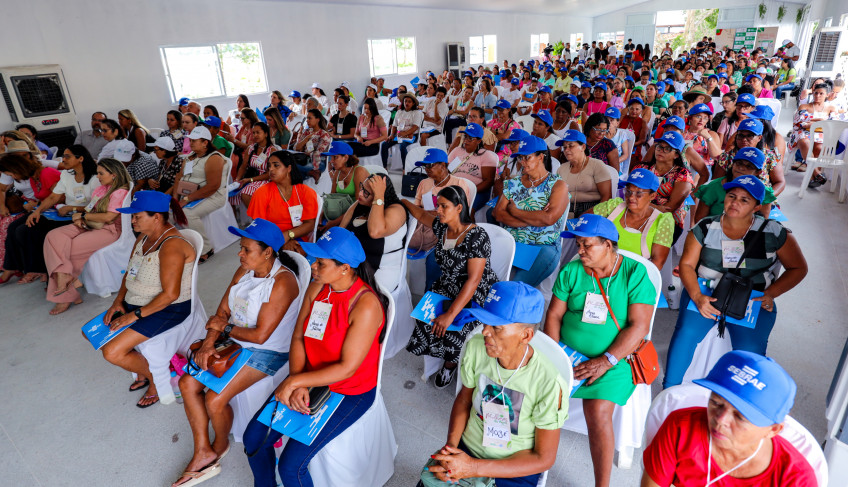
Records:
x=611, y=358
x=137, y=313
x=291, y=235
x=227, y=330
x=378, y=202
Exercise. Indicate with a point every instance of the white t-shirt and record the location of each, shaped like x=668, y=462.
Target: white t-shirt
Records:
x=430, y=110
x=23, y=186
x=108, y=150
x=404, y=120
x=512, y=95
x=612, y=50
x=76, y=194
x=792, y=51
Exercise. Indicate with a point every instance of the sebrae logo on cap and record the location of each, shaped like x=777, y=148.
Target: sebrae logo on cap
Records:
x=135, y=198
x=326, y=237
x=746, y=375
x=747, y=181
x=749, y=123
x=522, y=145
x=636, y=175
x=668, y=136
x=252, y=225
x=492, y=296
x=749, y=153
x=582, y=221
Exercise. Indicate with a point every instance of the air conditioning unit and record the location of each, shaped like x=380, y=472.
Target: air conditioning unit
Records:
x=456, y=58
x=38, y=95
x=824, y=51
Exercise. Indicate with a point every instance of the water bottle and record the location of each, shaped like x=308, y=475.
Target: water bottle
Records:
x=175, y=385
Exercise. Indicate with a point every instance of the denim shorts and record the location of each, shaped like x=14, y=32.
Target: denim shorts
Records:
x=267, y=361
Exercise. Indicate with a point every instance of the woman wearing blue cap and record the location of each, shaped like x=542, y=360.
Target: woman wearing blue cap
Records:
x=705, y=142
x=600, y=147
x=258, y=312
x=502, y=123
x=532, y=208
x=587, y=179
x=754, y=133
x=473, y=161
x=155, y=293
x=713, y=248
x=632, y=120
x=346, y=175
x=642, y=229
x=746, y=162
x=503, y=378
x=735, y=440
x=598, y=103
x=336, y=343
x=601, y=307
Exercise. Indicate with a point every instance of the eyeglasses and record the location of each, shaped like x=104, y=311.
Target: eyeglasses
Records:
x=600, y=130
x=726, y=102
x=638, y=194
x=746, y=136
x=664, y=148
x=364, y=191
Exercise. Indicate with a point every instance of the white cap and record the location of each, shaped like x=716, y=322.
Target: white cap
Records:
x=787, y=41
x=165, y=143
x=346, y=84
x=124, y=150
x=576, y=83
x=761, y=70
x=200, y=132
x=371, y=85
x=316, y=85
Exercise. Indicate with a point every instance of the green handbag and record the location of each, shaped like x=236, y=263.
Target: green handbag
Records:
x=336, y=204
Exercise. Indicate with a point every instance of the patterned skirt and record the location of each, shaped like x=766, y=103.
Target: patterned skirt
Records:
x=447, y=347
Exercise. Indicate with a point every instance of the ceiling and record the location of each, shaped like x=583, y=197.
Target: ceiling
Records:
x=582, y=8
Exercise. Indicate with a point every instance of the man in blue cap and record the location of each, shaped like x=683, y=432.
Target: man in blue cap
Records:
x=736, y=437
x=505, y=420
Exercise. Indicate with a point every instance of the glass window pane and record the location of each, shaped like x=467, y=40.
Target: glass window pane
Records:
x=534, y=45
x=406, y=62
x=242, y=68
x=475, y=50
x=383, y=55
x=194, y=71
x=490, y=49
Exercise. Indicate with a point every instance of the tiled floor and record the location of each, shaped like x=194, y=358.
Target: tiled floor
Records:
x=66, y=418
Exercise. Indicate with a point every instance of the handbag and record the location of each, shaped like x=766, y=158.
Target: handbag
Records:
x=732, y=292
x=644, y=361
x=14, y=201
x=185, y=188
x=318, y=396
x=336, y=204
x=409, y=182
x=227, y=350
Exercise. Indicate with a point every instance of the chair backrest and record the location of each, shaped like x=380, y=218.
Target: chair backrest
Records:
x=526, y=122
x=630, y=137
x=414, y=155
x=501, y=261
x=411, y=224
x=292, y=124
x=387, y=116
x=692, y=395
x=375, y=169
x=156, y=131
x=304, y=275
x=613, y=180
x=831, y=132
x=472, y=191
x=318, y=218
x=717, y=106
x=196, y=241
x=390, y=320
x=385, y=101
x=126, y=219
x=775, y=105
x=655, y=277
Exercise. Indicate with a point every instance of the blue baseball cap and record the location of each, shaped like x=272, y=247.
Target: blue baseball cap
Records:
x=601, y=85
x=262, y=231
x=572, y=98
x=515, y=81
x=148, y=201
x=759, y=388
x=641, y=178
x=751, y=154
x=433, y=156
x=504, y=72
x=636, y=99
x=674, y=139
x=473, y=130
x=746, y=98
x=339, y=244
x=530, y=145
x=545, y=89
x=589, y=225
x=544, y=116
x=713, y=76
x=613, y=112
x=629, y=78
x=572, y=136
x=751, y=125
x=762, y=112
x=503, y=105
x=722, y=75
x=722, y=65
x=660, y=88
x=700, y=108
x=675, y=121
x=516, y=135
x=751, y=184
x=510, y=302
x=212, y=121
x=752, y=76
x=294, y=94
x=339, y=148
x=669, y=71
x=549, y=69
x=184, y=101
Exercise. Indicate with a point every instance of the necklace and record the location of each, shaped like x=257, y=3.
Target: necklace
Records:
x=624, y=221
x=443, y=180
x=149, y=249
x=497, y=369
x=533, y=182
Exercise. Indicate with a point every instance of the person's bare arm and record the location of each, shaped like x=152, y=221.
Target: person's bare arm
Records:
x=424, y=217
x=501, y=214
x=659, y=254
x=613, y=161
x=214, y=178
x=553, y=318
x=283, y=294
x=605, y=188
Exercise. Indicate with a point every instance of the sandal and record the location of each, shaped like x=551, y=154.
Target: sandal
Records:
x=31, y=277
x=76, y=284
x=206, y=256
x=801, y=167
x=144, y=398
x=201, y=475
x=14, y=274
x=141, y=383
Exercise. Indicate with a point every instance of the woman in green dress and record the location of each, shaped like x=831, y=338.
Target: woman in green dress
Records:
x=578, y=317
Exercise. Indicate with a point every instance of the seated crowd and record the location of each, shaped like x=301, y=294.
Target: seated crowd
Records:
x=534, y=148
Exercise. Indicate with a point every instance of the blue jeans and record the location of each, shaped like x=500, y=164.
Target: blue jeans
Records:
x=546, y=262
x=404, y=146
x=526, y=481
x=304, y=170
x=295, y=458
x=691, y=328
x=788, y=87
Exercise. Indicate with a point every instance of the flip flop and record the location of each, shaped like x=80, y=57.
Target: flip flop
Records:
x=142, y=406
x=141, y=384
x=206, y=256
x=223, y=454
x=201, y=475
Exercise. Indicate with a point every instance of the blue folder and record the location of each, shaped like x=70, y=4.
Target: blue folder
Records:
x=218, y=384
x=525, y=255
x=98, y=333
x=54, y=215
x=299, y=427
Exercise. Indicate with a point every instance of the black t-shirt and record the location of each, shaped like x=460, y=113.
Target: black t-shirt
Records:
x=629, y=47
x=348, y=123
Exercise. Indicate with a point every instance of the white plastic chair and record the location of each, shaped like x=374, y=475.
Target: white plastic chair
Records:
x=629, y=137
x=526, y=122
x=375, y=160
x=103, y=273
x=414, y=155
x=628, y=420
x=613, y=180
x=827, y=159
x=51, y=163
x=376, y=169
x=438, y=141
x=693, y=395
x=472, y=190
x=364, y=453
x=402, y=296
x=217, y=222
x=159, y=349
x=318, y=218
x=246, y=403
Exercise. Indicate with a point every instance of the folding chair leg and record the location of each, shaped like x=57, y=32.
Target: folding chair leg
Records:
x=808, y=174
x=843, y=183
x=624, y=458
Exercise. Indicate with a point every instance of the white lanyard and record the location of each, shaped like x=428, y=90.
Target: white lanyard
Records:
x=609, y=280
x=710, y=461
x=294, y=192
x=498, y=370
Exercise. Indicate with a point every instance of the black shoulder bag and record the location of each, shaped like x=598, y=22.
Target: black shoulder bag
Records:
x=410, y=181
x=733, y=291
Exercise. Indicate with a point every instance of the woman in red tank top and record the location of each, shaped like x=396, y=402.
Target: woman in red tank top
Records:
x=336, y=343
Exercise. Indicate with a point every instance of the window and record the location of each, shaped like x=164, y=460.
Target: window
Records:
x=576, y=40
x=392, y=56
x=538, y=43
x=213, y=70
x=483, y=49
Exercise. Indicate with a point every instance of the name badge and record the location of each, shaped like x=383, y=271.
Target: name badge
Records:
x=496, y=432
x=731, y=252
x=318, y=319
x=340, y=128
x=310, y=147
x=428, y=200
x=260, y=159
x=79, y=193
x=296, y=212
x=363, y=132
x=595, y=310
x=132, y=274
x=455, y=163
x=239, y=311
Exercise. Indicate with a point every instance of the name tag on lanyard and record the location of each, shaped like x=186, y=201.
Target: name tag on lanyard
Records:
x=595, y=309
x=496, y=433
x=731, y=253
x=316, y=326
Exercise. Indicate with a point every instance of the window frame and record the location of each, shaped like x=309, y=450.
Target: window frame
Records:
x=483, y=50
x=396, y=70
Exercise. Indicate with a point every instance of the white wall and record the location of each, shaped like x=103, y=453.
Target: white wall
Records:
x=110, y=50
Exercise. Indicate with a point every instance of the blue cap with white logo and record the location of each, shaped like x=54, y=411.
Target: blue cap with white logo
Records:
x=751, y=154
x=515, y=81
x=516, y=135
x=154, y=201
x=530, y=145
x=751, y=184
x=751, y=125
x=503, y=105
x=601, y=86
x=758, y=387
x=510, y=302
x=674, y=139
x=635, y=100
x=641, y=178
x=294, y=94
x=746, y=98
x=184, y=101
x=572, y=136
x=762, y=112
x=473, y=130
x=545, y=89
x=572, y=98
x=262, y=231
x=675, y=121
x=589, y=225
x=613, y=112
x=629, y=78
x=339, y=148
x=338, y=244
x=433, y=156
x=212, y=121
x=752, y=76
x=544, y=116
x=700, y=108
